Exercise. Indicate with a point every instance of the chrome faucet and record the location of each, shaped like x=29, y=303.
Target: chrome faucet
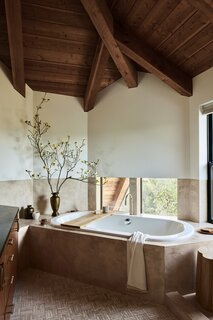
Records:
x=131, y=211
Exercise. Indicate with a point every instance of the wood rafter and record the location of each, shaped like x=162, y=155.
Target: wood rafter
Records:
x=99, y=62
x=205, y=6
x=103, y=22
x=14, y=26
x=97, y=70
x=146, y=57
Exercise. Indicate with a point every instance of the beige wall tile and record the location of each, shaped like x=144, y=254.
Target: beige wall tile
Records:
x=188, y=199
x=16, y=193
x=73, y=196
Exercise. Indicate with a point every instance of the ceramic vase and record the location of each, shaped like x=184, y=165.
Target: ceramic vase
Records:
x=55, y=203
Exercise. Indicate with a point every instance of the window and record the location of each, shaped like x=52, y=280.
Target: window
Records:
x=159, y=196
x=151, y=196
x=113, y=193
x=210, y=168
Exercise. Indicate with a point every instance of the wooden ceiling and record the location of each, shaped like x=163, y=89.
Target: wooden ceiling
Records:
x=79, y=47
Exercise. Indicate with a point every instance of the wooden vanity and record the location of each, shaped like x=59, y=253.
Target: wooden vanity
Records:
x=9, y=226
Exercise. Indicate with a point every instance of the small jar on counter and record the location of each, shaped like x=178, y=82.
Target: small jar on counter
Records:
x=29, y=212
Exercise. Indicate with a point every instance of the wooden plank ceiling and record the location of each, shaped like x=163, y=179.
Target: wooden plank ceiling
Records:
x=80, y=47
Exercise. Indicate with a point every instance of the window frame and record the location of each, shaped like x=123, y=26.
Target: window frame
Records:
x=210, y=168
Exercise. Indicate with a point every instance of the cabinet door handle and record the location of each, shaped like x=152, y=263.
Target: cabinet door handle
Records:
x=11, y=241
x=1, y=276
x=11, y=258
x=12, y=280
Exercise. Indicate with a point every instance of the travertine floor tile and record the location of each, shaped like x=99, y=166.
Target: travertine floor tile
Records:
x=42, y=296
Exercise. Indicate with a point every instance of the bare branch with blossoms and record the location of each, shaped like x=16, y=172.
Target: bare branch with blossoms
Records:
x=59, y=160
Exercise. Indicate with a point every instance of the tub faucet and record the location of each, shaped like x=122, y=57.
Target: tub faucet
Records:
x=128, y=195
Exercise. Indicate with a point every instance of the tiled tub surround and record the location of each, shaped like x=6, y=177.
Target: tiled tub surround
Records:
x=74, y=195
x=101, y=260
x=20, y=193
x=188, y=199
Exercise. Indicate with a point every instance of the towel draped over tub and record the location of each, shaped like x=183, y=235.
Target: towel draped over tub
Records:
x=136, y=271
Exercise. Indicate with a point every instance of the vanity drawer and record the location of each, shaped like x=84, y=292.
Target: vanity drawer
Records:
x=10, y=259
x=11, y=244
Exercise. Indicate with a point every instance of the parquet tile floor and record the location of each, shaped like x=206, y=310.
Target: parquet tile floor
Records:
x=44, y=296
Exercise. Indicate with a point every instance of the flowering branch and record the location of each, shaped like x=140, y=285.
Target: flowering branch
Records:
x=59, y=160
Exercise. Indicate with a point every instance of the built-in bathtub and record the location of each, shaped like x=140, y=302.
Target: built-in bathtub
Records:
x=156, y=229
x=100, y=257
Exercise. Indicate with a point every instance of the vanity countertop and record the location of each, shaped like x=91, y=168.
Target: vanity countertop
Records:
x=7, y=216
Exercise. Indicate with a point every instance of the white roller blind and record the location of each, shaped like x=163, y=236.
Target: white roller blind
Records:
x=207, y=108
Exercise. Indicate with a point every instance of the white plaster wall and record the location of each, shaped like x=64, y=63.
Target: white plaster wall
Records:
x=16, y=153
x=66, y=118
x=202, y=93
x=140, y=132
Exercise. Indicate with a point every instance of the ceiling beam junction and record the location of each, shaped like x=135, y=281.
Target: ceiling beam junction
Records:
x=153, y=62
x=15, y=37
x=97, y=71
x=102, y=19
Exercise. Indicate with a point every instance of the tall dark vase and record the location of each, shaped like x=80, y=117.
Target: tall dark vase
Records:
x=55, y=203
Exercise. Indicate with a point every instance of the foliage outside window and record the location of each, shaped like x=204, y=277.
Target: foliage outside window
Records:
x=159, y=196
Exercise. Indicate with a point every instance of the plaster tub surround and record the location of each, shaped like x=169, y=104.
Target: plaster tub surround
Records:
x=157, y=229
x=101, y=259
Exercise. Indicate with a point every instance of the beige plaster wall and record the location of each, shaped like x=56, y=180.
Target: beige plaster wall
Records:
x=16, y=153
x=66, y=117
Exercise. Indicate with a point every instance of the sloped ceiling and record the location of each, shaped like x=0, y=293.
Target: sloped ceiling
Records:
x=78, y=48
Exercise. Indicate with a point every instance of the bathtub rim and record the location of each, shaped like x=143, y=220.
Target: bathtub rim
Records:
x=185, y=234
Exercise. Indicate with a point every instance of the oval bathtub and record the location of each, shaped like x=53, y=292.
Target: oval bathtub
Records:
x=158, y=229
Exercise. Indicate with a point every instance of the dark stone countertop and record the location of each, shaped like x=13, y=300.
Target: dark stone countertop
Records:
x=7, y=216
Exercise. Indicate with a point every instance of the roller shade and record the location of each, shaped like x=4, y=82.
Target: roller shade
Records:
x=207, y=108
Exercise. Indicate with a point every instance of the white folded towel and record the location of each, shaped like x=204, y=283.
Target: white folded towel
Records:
x=136, y=271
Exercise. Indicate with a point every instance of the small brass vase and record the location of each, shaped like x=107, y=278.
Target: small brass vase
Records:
x=55, y=203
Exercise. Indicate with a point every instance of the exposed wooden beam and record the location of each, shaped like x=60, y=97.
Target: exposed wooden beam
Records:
x=153, y=62
x=99, y=63
x=14, y=26
x=96, y=74
x=103, y=22
x=205, y=6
